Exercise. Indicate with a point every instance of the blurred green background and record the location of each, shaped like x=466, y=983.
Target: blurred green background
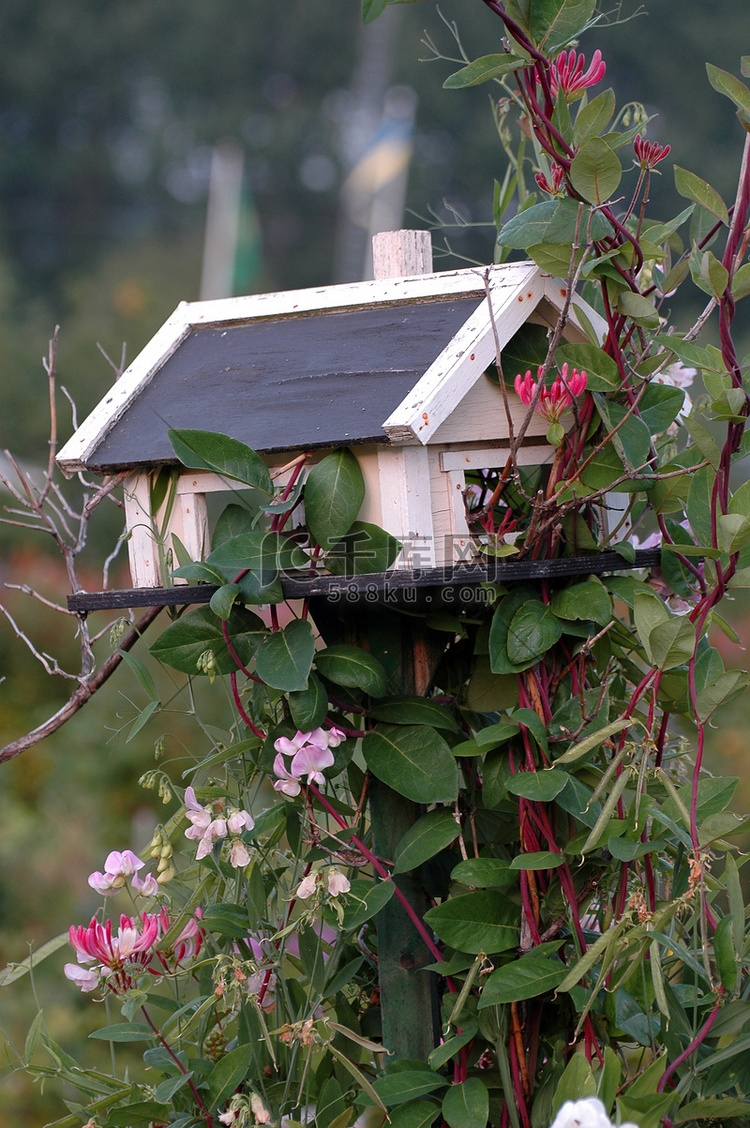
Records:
x=109, y=117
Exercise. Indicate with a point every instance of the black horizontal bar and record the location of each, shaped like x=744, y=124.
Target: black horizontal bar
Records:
x=297, y=585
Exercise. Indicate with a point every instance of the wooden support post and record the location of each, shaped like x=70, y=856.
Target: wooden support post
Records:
x=410, y=652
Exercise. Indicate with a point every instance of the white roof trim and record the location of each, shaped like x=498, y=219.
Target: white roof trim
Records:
x=445, y=383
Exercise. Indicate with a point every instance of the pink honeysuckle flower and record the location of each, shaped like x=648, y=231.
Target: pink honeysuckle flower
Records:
x=287, y=784
x=648, y=153
x=84, y=977
x=310, y=761
x=555, y=400
x=558, y=178
x=120, y=957
x=307, y=887
x=185, y=947
x=567, y=74
x=337, y=883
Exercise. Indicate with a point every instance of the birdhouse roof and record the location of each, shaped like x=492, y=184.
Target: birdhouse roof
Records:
x=370, y=362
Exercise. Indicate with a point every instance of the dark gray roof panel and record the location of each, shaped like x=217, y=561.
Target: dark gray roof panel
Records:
x=289, y=383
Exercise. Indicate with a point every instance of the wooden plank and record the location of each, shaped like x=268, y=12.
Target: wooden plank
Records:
x=143, y=549
x=406, y=503
x=463, y=362
x=390, y=583
x=494, y=457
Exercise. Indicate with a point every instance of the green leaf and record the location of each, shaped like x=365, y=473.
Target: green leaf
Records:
x=124, y=1032
x=711, y=1108
x=659, y=406
x=523, y=979
x=352, y=667
x=484, y=921
x=541, y=787
x=228, y=1073
x=493, y=736
x=139, y=1112
x=223, y=599
x=207, y=450
x=483, y=873
x=198, y=630
x=586, y=600
x=725, y=955
x=482, y=70
x=594, y=116
x=467, y=1104
x=723, y=690
x=532, y=631
x=226, y=919
x=309, y=706
x=601, y=370
x=429, y=835
x=365, y=899
x=415, y=1114
x=142, y=673
x=371, y=9
x=414, y=760
x=15, y=971
x=284, y=659
x=538, y=860
x=365, y=549
x=406, y=710
x=577, y=1082
x=691, y=187
x=555, y=22
x=254, y=560
x=407, y=1085
x=647, y=1112
x=595, y=172
x=741, y=282
x=726, y=83
x=554, y=222
x=638, y=308
x=233, y=521
x=672, y=643
x=334, y=492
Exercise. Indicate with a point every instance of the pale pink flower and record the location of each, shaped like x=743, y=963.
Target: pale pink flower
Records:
x=239, y=821
x=217, y=828
x=555, y=400
x=259, y=1110
x=227, y=1117
x=286, y=783
x=310, y=761
x=199, y=816
x=84, y=977
x=290, y=747
x=335, y=737
x=567, y=74
x=307, y=886
x=118, y=866
x=238, y=854
x=337, y=883
x=144, y=887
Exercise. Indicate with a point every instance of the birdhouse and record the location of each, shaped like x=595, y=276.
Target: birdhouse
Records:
x=394, y=369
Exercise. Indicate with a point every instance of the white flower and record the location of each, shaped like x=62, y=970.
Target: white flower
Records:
x=307, y=886
x=337, y=883
x=227, y=1117
x=83, y=977
x=259, y=1110
x=588, y=1113
x=120, y=865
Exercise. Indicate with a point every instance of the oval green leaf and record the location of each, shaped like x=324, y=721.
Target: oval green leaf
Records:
x=414, y=760
x=429, y=835
x=595, y=173
x=467, y=1104
x=284, y=659
x=352, y=667
x=199, y=630
x=208, y=450
x=523, y=979
x=334, y=492
x=485, y=921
